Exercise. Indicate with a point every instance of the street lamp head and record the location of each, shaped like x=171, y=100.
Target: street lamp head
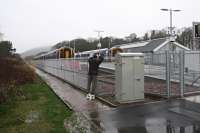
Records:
x=98, y=31
x=164, y=9
x=170, y=10
x=176, y=10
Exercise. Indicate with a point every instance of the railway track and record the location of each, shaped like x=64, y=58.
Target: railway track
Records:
x=107, y=76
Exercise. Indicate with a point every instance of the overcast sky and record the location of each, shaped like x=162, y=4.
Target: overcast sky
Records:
x=34, y=23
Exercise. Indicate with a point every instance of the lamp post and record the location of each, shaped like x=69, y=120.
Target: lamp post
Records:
x=99, y=44
x=170, y=11
x=168, y=72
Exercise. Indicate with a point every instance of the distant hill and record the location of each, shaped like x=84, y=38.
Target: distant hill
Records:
x=35, y=51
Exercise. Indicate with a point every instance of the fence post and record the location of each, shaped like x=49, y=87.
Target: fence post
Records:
x=74, y=70
x=168, y=73
x=181, y=70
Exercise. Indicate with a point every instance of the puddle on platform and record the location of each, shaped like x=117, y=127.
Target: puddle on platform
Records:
x=78, y=123
x=154, y=126
x=161, y=129
x=195, y=99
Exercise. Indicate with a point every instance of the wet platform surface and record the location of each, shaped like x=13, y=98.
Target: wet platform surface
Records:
x=177, y=116
x=72, y=97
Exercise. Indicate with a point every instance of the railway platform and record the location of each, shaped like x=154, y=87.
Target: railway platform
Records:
x=129, y=84
x=171, y=116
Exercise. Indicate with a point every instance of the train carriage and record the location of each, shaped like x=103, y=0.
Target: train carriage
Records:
x=63, y=52
x=107, y=53
x=66, y=52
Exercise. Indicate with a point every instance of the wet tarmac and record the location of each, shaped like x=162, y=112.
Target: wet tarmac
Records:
x=177, y=116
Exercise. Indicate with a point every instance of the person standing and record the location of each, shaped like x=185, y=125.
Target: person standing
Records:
x=94, y=63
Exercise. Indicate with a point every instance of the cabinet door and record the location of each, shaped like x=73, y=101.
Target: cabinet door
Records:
x=138, y=78
x=127, y=79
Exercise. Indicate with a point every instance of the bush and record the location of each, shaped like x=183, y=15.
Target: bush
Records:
x=13, y=72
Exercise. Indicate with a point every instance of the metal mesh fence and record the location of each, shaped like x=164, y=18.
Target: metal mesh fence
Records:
x=155, y=74
x=167, y=74
x=75, y=71
x=192, y=72
x=172, y=73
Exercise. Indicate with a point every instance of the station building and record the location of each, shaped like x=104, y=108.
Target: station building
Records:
x=153, y=46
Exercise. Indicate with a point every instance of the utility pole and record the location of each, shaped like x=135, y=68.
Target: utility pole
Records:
x=168, y=56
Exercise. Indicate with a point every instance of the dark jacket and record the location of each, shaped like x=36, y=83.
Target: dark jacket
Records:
x=94, y=65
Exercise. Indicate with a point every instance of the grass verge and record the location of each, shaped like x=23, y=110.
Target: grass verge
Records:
x=38, y=110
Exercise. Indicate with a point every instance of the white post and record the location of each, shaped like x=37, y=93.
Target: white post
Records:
x=171, y=22
x=181, y=69
x=74, y=61
x=99, y=44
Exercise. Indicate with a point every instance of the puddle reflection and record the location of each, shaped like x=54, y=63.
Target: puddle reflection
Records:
x=195, y=99
x=161, y=129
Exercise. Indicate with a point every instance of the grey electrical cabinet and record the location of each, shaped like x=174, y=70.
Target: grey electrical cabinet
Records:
x=129, y=70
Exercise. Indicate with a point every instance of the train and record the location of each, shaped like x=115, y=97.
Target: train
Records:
x=63, y=52
x=105, y=52
x=67, y=52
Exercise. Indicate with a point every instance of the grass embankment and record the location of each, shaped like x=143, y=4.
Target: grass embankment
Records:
x=27, y=104
x=37, y=111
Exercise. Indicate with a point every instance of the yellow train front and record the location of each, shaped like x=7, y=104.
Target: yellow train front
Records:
x=114, y=50
x=66, y=52
x=63, y=52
